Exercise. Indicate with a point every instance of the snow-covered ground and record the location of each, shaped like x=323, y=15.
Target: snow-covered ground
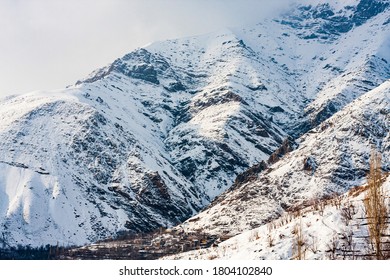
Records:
x=330, y=229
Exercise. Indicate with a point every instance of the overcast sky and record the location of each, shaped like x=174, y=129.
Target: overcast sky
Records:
x=49, y=44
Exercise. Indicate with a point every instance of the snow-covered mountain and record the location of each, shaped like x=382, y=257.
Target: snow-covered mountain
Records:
x=330, y=159
x=152, y=138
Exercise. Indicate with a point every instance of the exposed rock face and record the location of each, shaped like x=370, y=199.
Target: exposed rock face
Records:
x=324, y=22
x=309, y=164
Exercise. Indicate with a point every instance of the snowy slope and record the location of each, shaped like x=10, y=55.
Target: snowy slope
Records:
x=330, y=229
x=152, y=138
x=79, y=174
x=330, y=159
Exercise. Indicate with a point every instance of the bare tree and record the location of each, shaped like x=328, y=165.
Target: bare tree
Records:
x=332, y=246
x=270, y=236
x=299, y=242
x=375, y=205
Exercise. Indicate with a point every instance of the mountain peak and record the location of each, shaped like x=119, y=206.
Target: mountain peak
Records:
x=326, y=20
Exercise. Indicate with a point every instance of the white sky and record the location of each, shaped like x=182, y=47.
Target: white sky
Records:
x=48, y=44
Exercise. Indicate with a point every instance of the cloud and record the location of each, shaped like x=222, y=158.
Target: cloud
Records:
x=48, y=44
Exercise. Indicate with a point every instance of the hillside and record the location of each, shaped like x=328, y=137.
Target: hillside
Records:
x=332, y=229
x=329, y=160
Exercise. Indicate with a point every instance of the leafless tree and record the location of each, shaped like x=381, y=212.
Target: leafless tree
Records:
x=375, y=205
